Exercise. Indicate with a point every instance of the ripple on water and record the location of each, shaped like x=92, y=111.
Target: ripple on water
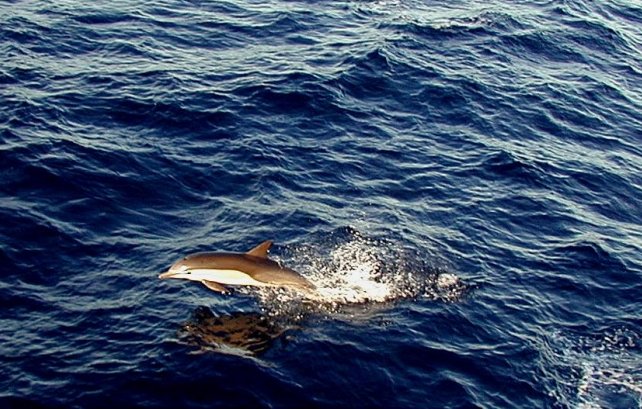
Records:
x=506, y=133
x=602, y=370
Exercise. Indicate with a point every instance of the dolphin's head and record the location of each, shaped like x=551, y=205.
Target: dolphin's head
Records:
x=180, y=269
x=187, y=268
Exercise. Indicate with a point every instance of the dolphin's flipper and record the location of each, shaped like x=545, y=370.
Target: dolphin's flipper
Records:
x=214, y=286
x=261, y=250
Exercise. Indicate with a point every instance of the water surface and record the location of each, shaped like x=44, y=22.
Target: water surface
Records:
x=460, y=179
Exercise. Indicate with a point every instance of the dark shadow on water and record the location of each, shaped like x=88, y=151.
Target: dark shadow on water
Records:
x=239, y=333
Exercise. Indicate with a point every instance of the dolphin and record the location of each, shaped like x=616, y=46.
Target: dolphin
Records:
x=216, y=270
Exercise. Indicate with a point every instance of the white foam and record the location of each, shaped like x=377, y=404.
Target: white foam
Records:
x=595, y=372
x=447, y=280
x=351, y=276
x=360, y=270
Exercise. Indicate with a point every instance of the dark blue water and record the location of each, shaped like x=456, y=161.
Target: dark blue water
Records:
x=461, y=180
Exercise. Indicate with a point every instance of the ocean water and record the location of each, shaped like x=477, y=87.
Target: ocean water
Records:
x=460, y=179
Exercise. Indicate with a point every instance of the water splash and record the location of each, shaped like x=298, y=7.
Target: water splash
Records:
x=349, y=268
x=353, y=273
x=603, y=371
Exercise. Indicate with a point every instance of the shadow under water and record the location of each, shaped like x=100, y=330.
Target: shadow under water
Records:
x=239, y=333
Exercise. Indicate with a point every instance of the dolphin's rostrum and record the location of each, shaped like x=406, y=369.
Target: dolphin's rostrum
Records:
x=216, y=270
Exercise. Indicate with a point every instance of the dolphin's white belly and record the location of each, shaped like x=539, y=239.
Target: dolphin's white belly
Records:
x=231, y=277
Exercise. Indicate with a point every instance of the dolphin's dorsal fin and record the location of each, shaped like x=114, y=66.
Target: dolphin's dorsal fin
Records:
x=261, y=250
